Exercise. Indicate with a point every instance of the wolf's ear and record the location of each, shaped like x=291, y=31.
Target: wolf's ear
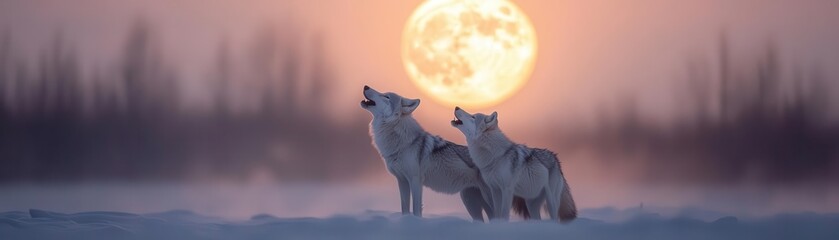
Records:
x=492, y=118
x=409, y=105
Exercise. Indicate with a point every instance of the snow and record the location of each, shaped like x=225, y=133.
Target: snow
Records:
x=182, y=224
x=331, y=211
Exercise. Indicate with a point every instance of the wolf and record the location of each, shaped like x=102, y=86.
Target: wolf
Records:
x=417, y=158
x=510, y=169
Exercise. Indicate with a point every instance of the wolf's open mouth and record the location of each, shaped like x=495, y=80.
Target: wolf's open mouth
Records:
x=367, y=102
x=456, y=121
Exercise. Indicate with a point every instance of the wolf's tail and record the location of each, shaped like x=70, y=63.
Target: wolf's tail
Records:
x=567, y=207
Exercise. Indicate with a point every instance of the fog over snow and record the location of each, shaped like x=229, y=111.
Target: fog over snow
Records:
x=311, y=211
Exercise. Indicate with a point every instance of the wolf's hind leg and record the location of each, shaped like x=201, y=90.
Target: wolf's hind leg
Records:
x=474, y=203
x=534, y=206
x=553, y=205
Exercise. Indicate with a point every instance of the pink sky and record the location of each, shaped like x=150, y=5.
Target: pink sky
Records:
x=591, y=53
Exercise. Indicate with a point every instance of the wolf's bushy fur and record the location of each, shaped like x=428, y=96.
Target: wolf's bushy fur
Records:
x=567, y=207
x=416, y=157
x=513, y=169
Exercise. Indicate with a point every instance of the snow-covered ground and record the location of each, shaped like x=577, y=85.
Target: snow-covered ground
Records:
x=185, y=225
x=342, y=211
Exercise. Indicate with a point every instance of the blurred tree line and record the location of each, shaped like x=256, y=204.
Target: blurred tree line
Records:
x=740, y=121
x=126, y=121
x=744, y=120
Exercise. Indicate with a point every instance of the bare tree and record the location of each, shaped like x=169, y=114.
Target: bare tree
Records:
x=150, y=85
x=5, y=73
x=60, y=79
x=222, y=76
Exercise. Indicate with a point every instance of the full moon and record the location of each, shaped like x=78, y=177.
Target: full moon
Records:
x=469, y=53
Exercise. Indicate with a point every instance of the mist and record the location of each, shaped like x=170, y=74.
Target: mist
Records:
x=720, y=105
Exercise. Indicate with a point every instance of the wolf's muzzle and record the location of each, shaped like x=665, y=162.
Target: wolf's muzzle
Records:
x=366, y=102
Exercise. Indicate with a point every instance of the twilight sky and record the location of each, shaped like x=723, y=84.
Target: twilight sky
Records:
x=588, y=52
x=592, y=56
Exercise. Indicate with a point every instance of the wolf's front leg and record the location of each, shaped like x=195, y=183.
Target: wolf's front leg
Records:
x=486, y=201
x=404, y=194
x=416, y=191
x=496, y=202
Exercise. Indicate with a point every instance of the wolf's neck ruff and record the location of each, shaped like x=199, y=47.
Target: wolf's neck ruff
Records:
x=483, y=147
x=395, y=135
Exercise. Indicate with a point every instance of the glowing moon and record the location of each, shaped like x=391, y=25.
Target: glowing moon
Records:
x=470, y=53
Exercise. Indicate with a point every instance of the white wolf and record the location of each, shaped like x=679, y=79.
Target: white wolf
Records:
x=513, y=169
x=417, y=158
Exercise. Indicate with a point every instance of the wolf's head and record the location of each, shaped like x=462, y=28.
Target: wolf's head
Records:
x=473, y=125
x=387, y=106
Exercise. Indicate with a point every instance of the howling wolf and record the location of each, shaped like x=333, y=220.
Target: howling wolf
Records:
x=417, y=158
x=513, y=169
